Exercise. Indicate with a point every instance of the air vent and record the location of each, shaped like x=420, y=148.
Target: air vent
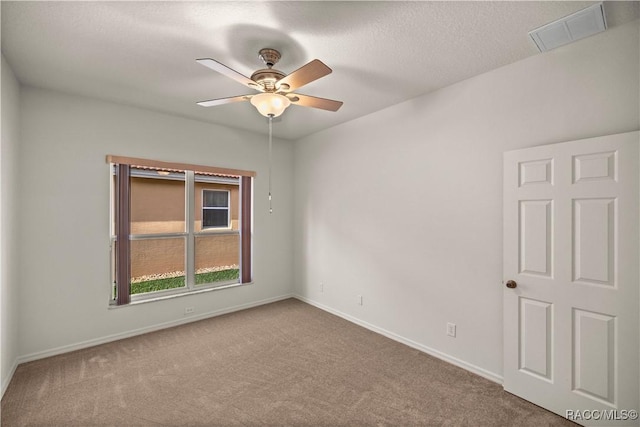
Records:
x=576, y=26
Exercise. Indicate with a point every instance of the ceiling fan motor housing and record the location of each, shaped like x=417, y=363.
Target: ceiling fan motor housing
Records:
x=267, y=78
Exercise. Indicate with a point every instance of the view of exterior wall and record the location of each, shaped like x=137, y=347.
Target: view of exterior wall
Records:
x=160, y=256
x=216, y=251
x=157, y=256
x=158, y=207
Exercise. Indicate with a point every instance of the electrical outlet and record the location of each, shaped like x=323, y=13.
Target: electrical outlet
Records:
x=451, y=329
x=321, y=287
x=359, y=299
x=188, y=310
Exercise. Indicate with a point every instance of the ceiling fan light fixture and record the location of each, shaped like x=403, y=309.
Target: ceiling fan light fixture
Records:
x=276, y=86
x=270, y=104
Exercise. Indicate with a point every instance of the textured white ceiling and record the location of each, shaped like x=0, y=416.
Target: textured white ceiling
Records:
x=381, y=53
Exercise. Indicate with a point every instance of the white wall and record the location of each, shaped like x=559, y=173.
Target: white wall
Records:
x=8, y=211
x=64, y=215
x=404, y=206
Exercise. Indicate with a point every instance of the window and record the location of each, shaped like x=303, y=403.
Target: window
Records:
x=215, y=209
x=177, y=228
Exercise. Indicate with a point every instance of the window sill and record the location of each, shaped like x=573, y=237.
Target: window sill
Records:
x=207, y=231
x=112, y=305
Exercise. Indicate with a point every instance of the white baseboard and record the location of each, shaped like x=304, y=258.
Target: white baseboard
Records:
x=6, y=380
x=127, y=334
x=440, y=355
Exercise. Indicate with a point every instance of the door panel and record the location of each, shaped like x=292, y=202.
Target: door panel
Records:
x=591, y=167
x=571, y=237
x=535, y=237
x=536, y=346
x=536, y=172
x=594, y=355
x=594, y=240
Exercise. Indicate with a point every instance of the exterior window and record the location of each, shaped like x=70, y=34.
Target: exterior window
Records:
x=177, y=228
x=215, y=209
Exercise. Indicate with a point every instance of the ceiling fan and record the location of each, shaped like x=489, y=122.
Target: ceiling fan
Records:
x=275, y=86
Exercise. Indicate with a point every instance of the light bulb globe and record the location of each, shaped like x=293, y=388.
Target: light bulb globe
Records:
x=270, y=104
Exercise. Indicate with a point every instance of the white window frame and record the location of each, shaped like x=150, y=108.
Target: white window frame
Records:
x=189, y=235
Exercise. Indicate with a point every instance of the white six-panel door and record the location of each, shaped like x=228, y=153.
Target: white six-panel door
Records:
x=571, y=236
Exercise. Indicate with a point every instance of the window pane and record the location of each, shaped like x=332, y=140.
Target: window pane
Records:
x=215, y=199
x=157, y=201
x=217, y=258
x=215, y=218
x=157, y=264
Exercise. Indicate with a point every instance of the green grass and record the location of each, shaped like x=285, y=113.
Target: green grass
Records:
x=217, y=276
x=178, y=282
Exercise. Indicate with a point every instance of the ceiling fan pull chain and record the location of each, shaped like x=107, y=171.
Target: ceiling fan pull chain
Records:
x=270, y=158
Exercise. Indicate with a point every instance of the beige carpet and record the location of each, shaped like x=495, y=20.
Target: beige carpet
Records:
x=286, y=363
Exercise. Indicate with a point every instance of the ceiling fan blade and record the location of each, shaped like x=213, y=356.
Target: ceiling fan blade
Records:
x=233, y=74
x=303, y=75
x=222, y=101
x=312, y=101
